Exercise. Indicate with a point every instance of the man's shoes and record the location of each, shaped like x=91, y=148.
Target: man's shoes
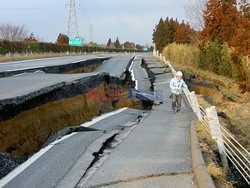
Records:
x=178, y=112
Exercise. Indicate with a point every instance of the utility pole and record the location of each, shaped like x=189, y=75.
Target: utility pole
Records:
x=73, y=30
x=91, y=33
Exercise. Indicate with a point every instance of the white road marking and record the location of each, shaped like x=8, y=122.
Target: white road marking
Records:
x=5, y=180
x=31, y=160
x=132, y=74
x=97, y=119
x=24, y=61
x=161, y=83
x=27, y=68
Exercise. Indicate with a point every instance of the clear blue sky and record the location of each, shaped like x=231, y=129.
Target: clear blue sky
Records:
x=131, y=20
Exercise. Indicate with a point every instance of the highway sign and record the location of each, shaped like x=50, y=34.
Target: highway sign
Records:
x=75, y=41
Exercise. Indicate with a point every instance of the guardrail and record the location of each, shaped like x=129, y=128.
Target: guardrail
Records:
x=228, y=146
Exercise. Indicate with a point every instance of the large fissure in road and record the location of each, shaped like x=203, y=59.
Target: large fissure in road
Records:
x=28, y=122
x=37, y=119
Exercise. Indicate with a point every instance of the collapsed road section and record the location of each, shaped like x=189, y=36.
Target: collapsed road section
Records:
x=58, y=65
x=116, y=66
x=34, y=106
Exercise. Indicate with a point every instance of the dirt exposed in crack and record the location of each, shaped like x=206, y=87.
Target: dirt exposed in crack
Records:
x=98, y=155
x=87, y=69
x=27, y=132
x=106, y=149
x=150, y=73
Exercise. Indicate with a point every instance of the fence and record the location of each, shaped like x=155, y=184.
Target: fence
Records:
x=229, y=148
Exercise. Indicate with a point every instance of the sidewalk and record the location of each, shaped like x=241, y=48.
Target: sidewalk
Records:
x=156, y=153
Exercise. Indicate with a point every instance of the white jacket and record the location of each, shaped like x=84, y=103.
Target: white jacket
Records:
x=177, y=84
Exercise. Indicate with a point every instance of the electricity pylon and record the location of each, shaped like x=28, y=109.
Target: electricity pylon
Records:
x=73, y=30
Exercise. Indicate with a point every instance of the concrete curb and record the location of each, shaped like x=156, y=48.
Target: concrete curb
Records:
x=202, y=177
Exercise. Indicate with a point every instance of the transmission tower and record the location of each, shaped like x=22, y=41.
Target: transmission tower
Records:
x=73, y=30
x=91, y=33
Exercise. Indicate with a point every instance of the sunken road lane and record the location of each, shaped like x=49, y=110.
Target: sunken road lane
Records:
x=50, y=65
x=45, y=62
x=20, y=88
x=116, y=66
x=31, y=82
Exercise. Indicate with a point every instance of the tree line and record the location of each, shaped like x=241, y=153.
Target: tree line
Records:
x=16, y=39
x=222, y=38
x=228, y=21
x=127, y=45
x=169, y=31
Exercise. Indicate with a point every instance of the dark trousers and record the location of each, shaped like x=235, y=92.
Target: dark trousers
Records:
x=176, y=102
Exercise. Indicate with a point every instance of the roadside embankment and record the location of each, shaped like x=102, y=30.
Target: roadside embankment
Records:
x=232, y=103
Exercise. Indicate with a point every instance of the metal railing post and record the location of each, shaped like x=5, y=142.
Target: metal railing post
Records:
x=195, y=105
x=154, y=53
x=187, y=92
x=215, y=130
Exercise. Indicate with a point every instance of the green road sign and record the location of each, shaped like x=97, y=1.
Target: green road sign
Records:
x=75, y=41
x=145, y=49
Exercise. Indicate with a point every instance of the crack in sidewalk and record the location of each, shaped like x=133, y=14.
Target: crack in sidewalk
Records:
x=140, y=178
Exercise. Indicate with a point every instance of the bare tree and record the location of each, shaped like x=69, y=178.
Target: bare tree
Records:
x=12, y=32
x=195, y=12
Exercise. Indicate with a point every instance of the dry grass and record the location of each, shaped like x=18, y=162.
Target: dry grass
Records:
x=209, y=149
x=229, y=88
x=238, y=115
x=183, y=54
x=186, y=56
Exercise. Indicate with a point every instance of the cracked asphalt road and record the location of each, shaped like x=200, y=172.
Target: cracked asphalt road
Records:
x=158, y=145
x=50, y=168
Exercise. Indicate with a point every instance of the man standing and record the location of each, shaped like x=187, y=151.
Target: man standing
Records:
x=176, y=85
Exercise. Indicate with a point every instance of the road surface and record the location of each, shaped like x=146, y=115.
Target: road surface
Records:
x=23, y=84
x=31, y=82
x=116, y=66
x=140, y=75
x=156, y=153
x=51, y=167
x=45, y=62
